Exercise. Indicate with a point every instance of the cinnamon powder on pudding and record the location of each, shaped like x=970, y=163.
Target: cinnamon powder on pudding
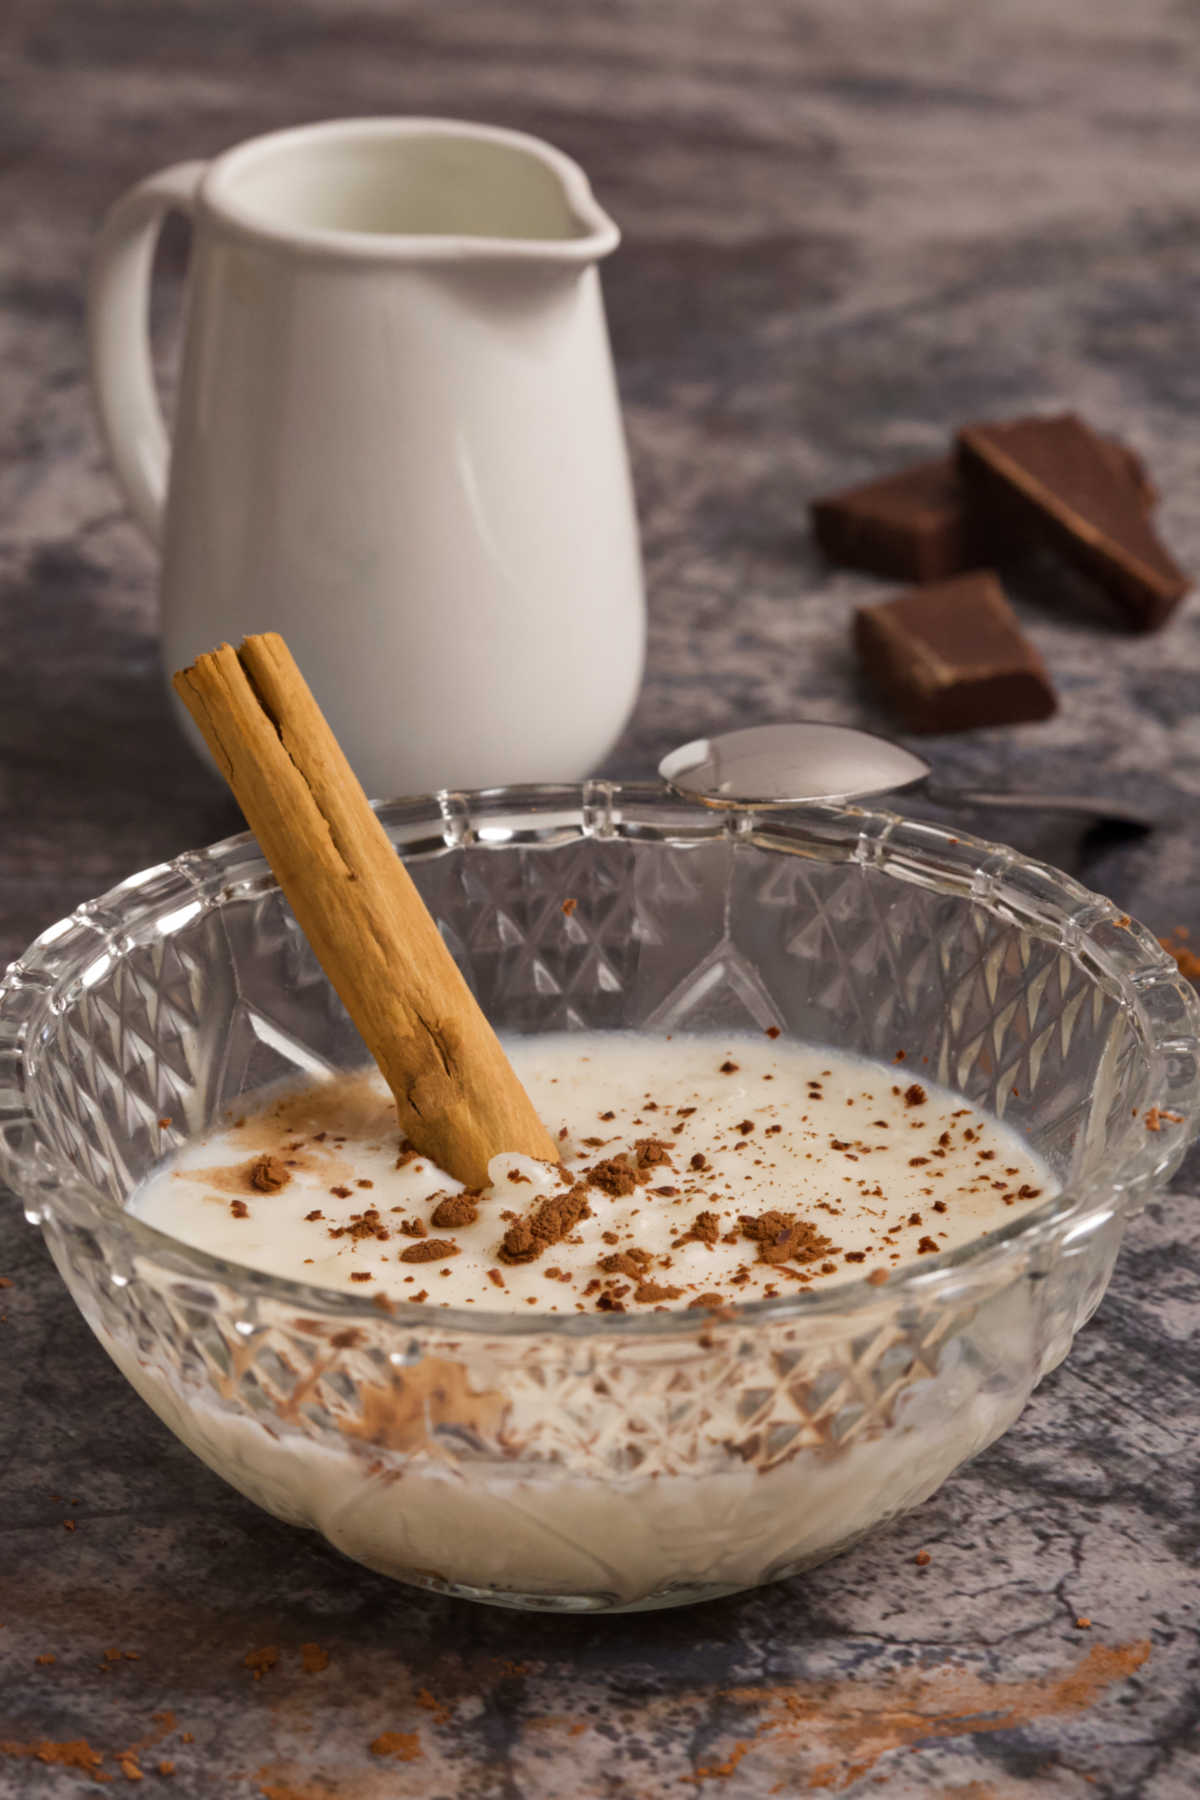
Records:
x=781, y=1237
x=455, y=1209
x=429, y=1250
x=268, y=1174
x=705, y=1229
x=652, y=1153
x=613, y=1177
x=548, y=1224
x=633, y=1263
x=650, y=1291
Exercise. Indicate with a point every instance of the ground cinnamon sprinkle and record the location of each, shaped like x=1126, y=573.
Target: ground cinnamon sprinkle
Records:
x=455, y=1209
x=1187, y=960
x=782, y=1238
x=613, y=1177
x=853, y=1724
x=442, y=1714
x=77, y=1753
x=652, y=1153
x=650, y=1292
x=429, y=1250
x=313, y=1659
x=268, y=1174
x=705, y=1229
x=633, y=1263
x=550, y=1222
x=404, y=1746
x=260, y=1662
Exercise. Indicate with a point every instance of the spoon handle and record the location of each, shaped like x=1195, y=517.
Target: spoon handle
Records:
x=1095, y=807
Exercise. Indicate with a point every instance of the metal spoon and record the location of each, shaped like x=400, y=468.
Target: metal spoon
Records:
x=785, y=765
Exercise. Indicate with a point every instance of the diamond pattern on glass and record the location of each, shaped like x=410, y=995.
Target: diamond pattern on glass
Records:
x=211, y=990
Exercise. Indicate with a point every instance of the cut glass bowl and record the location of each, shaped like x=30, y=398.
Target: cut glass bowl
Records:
x=603, y=1462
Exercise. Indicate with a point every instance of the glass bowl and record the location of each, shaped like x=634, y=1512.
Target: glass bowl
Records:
x=603, y=1462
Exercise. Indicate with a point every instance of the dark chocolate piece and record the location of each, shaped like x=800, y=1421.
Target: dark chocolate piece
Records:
x=951, y=656
x=913, y=525
x=1054, y=481
x=919, y=525
x=1134, y=471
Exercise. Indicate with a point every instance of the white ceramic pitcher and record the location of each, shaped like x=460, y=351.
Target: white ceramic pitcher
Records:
x=397, y=440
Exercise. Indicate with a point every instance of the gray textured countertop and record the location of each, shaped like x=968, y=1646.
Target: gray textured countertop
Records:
x=847, y=229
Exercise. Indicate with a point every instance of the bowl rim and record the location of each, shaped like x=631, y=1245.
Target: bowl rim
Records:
x=1027, y=893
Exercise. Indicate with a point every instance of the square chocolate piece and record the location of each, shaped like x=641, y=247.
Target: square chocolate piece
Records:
x=951, y=656
x=927, y=523
x=1055, y=481
x=913, y=525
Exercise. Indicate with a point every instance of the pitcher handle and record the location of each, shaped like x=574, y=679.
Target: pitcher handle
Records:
x=118, y=310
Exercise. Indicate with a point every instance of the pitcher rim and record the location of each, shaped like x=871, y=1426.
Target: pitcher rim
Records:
x=216, y=202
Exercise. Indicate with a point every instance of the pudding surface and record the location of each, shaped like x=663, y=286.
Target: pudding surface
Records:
x=696, y=1171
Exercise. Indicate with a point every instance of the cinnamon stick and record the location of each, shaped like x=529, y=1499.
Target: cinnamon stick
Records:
x=457, y=1097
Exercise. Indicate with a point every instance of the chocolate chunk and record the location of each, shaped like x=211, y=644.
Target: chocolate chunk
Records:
x=1054, y=481
x=914, y=525
x=1134, y=470
x=952, y=656
x=921, y=525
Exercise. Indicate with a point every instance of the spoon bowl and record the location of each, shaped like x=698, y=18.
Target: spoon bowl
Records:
x=787, y=765
x=812, y=760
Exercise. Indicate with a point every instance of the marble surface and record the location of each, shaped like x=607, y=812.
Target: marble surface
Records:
x=847, y=229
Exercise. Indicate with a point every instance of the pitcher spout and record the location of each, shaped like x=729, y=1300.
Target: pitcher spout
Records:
x=409, y=191
x=597, y=235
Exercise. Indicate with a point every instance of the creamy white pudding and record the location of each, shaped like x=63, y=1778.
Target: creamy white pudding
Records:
x=607, y=1471
x=695, y=1171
